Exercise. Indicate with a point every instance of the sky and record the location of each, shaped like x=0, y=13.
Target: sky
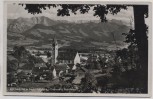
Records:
x=15, y=11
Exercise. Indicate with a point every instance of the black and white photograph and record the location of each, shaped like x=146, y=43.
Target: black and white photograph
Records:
x=77, y=48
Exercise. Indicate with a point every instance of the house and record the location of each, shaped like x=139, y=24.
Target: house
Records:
x=39, y=68
x=60, y=69
x=80, y=73
x=68, y=58
x=44, y=57
x=84, y=55
x=92, y=58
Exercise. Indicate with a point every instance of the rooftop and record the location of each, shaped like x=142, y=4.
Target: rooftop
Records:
x=66, y=55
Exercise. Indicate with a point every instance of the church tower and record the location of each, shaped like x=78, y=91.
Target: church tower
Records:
x=54, y=51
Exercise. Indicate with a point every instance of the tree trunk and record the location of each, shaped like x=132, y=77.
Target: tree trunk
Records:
x=142, y=43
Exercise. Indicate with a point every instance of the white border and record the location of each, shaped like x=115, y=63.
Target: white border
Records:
x=78, y=94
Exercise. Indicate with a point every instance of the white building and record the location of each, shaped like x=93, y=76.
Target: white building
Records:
x=68, y=57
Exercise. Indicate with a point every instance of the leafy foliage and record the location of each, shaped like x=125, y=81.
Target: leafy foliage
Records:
x=11, y=78
x=88, y=84
x=65, y=9
x=11, y=65
x=19, y=52
x=130, y=37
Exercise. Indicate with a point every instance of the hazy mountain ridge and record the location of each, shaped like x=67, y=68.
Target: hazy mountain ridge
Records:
x=38, y=31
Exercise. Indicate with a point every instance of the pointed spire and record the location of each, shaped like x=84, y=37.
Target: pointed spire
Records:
x=54, y=43
x=53, y=39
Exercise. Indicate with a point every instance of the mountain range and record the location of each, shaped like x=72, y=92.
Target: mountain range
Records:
x=39, y=32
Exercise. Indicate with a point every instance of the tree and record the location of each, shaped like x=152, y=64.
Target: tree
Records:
x=102, y=61
x=102, y=82
x=11, y=65
x=138, y=38
x=19, y=53
x=140, y=11
x=101, y=11
x=88, y=83
x=11, y=78
x=48, y=54
x=32, y=59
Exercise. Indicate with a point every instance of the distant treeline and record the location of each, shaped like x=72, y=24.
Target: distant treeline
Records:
x=80, y=50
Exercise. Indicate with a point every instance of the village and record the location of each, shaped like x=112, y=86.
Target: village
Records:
x=56, y=66
x=60, y=70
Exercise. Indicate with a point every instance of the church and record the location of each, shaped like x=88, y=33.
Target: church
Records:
x=62, y=58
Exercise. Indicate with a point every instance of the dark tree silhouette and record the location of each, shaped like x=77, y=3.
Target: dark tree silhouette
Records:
x=11, y=65
x=88, y=83
x=48, y=54
x=19, y=53
x=140, y=12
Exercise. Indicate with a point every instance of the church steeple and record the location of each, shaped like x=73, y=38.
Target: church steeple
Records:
x=54, y=43
x=54, y=50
